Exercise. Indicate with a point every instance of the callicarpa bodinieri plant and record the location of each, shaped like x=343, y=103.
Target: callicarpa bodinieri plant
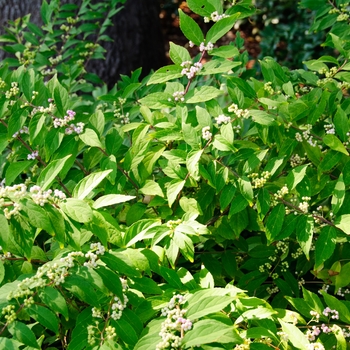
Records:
x=203, y=207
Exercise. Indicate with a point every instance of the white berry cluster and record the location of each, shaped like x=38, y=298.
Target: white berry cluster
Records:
x=208, y=47
x=283, y=336
x=42, y=109
x=257, y=181
x=41, y=197
x=33, y=155
x=244, y=346
x=64, y=122
x=222, y=119
x=96, y=249
x=206, y=134
x=23, y=130
x=296, y=160
x=9, y=313
x=118, y=306
x=329, y=128
x=5, y=255
x=306, y=136
x=178, y=96
x=175, y=324
x=268, y=88
x=53, y=273
x=173, y=223
x=14, y=90
x=77, y=128
x=240, y=113
x=272, y=290
x=2, y=84
x=304, y=205
x=11, y=195
x=190, y=69
x=281, y=193
x=315, y=346
x=214, y=17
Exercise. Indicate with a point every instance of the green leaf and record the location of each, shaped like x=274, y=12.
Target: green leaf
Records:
x=98, y=121
x=46, y=12
x=165, y=74
x=184, y=243
x=82, y=289
x=61, y=98
x=335, y=304
x=54, y=300
x=325, y=245
x=238, y=204
x=146, y=285
x=178, y=54
x=246, y=189
x=313, y=301
x=227, y=195
x=274, y=222
x=2, y=272
x=23, y=334
x=9, y=343
x=174, y=188
x=111, y=280
x=204, y=93
x=338, y=195
x=151, y=188
x=38, y=216
x=206, y=305
x=77, y=209
x=171, y=277
x=157, y=100
x=343, y=222
x=88, y=183
x=335, y=144
x=111, y=199
x=343, y=278
x=151, y=336
x=295, y=336
x=51, y=171
x=211, y=331
x=263, y=118
x=296, y=176
x=192, y=163
x=263, y=202
x=227, y=133
x=341, y=342
x=118, y=262
x=304, y=233
x=139, y=231
x=90, y=138
x=28, y=83
x=330, y=160
x=125, y=331
x=339, y=44
x=15, y=169
x=341, y=123
x=220, y=28
x=316, y=65
x=44, y=316
x=203, y=8
x=190, y=29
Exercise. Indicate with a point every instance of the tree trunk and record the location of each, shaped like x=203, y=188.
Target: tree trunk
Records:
x=136, y=33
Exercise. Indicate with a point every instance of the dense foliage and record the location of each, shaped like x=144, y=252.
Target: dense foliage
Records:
x=199, y=208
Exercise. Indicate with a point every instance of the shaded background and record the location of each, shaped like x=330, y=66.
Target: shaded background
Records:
x=142, y=30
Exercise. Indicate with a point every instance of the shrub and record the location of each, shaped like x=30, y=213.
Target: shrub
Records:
x=198, y=208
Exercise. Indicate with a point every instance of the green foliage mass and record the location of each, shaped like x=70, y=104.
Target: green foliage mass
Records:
x=199, y=208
